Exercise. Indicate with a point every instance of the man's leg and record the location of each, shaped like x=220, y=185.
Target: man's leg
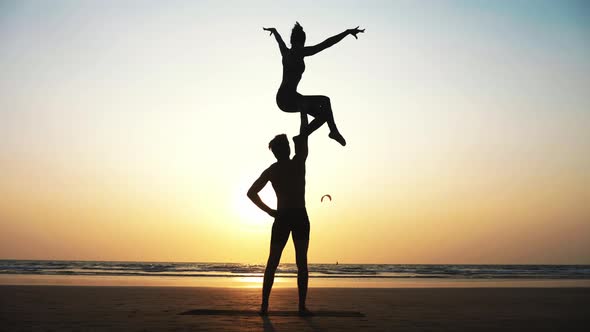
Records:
x=279, y=237
x=301, y=241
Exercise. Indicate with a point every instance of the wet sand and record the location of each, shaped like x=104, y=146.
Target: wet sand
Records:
x=106, y=308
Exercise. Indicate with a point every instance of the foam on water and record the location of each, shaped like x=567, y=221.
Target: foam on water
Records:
x=387, y=271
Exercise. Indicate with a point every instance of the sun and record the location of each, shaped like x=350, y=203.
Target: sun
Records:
x=246, y=212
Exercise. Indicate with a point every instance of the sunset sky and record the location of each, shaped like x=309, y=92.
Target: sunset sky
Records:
x=131, y=130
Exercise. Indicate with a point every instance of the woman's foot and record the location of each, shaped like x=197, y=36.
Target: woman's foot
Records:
x=337, y=137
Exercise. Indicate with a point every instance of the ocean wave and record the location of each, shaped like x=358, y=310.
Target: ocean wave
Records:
x=385, y=271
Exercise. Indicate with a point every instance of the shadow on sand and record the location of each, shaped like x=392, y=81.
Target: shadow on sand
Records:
x=216, y=312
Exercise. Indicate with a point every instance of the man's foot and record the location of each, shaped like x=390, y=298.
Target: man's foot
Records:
x=337, y=137
x=304, y=312
x=263, y=310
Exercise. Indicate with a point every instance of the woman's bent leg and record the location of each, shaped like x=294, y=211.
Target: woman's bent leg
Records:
x=279, y=237
x=321, y=109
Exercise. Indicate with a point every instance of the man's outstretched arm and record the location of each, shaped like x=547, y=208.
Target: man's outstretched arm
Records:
x=255, y=198
x=303, y=124
x=301, y=149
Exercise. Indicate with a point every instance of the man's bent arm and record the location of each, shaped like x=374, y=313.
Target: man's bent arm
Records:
x=255, y=198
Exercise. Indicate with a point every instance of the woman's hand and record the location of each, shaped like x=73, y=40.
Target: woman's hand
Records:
x=355, y=31
x=271, y=30
x=272, y=213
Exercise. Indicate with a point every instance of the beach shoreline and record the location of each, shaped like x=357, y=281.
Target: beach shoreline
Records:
x=256, y=282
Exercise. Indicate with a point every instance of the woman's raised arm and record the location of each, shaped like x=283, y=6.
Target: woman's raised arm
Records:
x=311, y=50
x=280, y=41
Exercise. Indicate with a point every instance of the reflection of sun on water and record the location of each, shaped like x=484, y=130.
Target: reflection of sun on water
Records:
x=256, y=282
x=250, y=282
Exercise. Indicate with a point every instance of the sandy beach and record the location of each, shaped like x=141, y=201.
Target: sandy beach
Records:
x=104, y=308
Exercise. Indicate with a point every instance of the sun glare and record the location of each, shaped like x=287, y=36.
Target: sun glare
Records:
x=247, y=212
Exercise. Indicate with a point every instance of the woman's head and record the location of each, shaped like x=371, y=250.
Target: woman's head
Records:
x=297, y=35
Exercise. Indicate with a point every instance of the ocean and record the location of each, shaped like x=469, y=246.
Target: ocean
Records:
x=323, y=271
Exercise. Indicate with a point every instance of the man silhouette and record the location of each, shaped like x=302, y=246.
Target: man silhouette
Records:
x=287, y=177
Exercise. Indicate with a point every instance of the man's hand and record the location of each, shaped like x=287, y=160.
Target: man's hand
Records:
x=355, y=31
x=272, y=213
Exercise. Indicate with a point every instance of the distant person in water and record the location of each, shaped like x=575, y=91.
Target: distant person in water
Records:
x=287, y=177
x=288, y=99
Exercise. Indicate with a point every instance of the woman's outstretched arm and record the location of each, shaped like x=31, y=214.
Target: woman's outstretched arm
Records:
x=280, y=41
x=311, y=50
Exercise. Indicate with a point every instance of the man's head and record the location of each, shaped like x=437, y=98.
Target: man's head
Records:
x=297, y=36
x=280, y=147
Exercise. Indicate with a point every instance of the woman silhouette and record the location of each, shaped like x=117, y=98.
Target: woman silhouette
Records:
x=288, y=99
